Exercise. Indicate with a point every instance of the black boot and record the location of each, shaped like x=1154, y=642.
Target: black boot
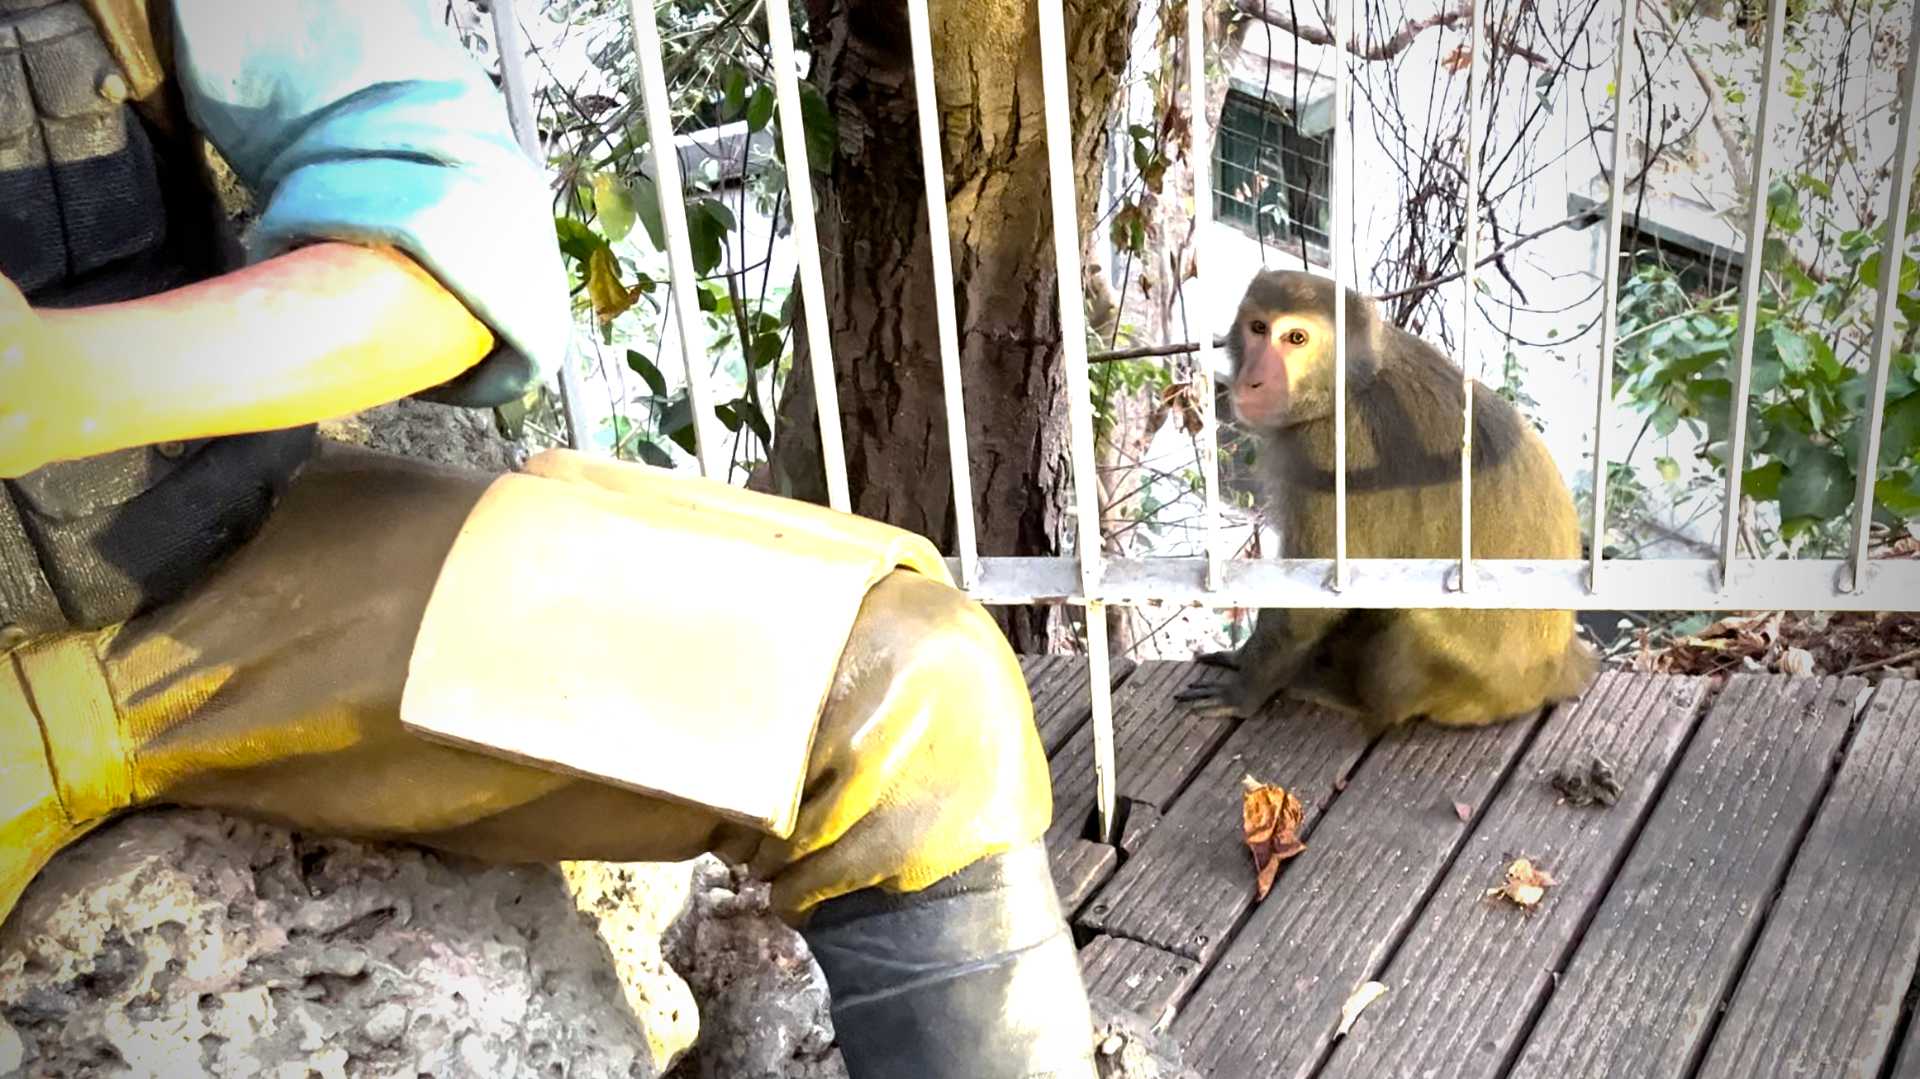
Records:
x=973, y=978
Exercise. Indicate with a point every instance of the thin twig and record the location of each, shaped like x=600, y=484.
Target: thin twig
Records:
x=1862, y=668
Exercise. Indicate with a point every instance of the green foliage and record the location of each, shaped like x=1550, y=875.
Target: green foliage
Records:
x=718, y=68
x=1807, y=409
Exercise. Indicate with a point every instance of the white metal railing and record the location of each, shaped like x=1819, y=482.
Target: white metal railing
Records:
x=1091, y=580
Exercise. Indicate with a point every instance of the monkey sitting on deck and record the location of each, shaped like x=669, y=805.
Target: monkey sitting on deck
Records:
x=1456, y=667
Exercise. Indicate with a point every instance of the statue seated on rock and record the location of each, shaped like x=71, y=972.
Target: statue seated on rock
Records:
x=205, y=606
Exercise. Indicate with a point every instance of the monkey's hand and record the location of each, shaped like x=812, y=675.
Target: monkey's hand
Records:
x=1230, y=659
x=1211, y=697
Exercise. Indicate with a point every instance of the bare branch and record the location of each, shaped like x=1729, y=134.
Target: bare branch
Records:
x=1716, y=103
x=1395, y=43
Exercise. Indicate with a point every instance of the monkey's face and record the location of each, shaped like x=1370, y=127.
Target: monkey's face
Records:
x=1278, y=358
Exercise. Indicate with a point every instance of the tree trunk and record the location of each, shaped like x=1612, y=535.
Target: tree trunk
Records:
x=879, y=276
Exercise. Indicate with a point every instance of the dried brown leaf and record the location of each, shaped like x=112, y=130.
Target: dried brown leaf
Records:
x=1269, y=818
x=1458, y=60
x=1526, y=885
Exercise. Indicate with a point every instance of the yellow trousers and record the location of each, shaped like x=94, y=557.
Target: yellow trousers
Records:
x=274, y=691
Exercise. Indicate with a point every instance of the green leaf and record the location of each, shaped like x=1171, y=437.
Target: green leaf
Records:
x=704, y=234
x=1793, y=349
x=613, y=202
x=677, y=422
x=1666, y=418
x=1901, y=379
x=1900, y=492
x=766, y=349
x=1669, y=468
x=577, y=240
x=760, y=109
x=1763, y=483
x=736, y=93
x=652, y=453
x=646, y=206
x=1817, y=485
x=729, y=416
x=721, y=215
x=1868, y=275
x=1900, y=432
x=656, y=382
x=1783, y=205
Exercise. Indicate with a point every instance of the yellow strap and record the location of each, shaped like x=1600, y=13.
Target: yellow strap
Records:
x=84, y=740
x=660, y=632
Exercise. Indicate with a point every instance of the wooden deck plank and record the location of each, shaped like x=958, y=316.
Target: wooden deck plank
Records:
x=1471, y=973
x=1058, y=686
x=1139, y=977
x=1192, y=880
x=1142, y=819
x=1270, y=1005
x=1158, y=746
x=1823, y=991
x=1080, y=866
x=1908, y=1066
x=1648, y=976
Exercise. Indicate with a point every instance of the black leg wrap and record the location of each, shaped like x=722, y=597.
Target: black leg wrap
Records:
x=973, y=978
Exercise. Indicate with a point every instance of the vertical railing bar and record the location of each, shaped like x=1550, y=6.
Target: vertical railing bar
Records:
x=933, y=166
x=1892, y=259
x=526, y=131
x=1202, y=162
x=1073, y=315
x=1100, y=695
x=1750, y=292
x=665, y=155
x=1610, y=316
x=1470, y=256
x=806, y=237
x=1054, y=93
x=1338, y=189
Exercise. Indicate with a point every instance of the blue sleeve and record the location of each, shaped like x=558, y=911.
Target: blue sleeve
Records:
x=367, y=122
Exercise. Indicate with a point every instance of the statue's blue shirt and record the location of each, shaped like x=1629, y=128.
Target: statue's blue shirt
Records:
x=365, y=121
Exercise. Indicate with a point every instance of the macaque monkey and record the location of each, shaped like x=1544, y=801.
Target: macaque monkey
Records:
x=1455, y=667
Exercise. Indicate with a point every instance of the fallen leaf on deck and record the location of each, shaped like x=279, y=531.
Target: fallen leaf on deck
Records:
x=1356, y=1004
x=1463, y=811
x=1269, y=817
x=1526, y=885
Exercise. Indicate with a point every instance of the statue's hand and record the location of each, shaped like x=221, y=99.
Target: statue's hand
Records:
x=44, y=414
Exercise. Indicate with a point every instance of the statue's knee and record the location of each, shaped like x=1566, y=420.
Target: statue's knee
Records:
x=953, y=688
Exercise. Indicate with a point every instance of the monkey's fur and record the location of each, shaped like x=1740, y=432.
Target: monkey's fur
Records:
x=1456, y=667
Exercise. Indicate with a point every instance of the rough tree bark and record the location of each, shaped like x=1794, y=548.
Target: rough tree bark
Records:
x=879, y=277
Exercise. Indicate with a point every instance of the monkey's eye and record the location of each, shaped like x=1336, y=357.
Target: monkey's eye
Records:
x=1296, y=338
x=1258, y=327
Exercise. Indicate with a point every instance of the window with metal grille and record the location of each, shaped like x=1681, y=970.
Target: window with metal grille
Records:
x=1699, y=275
x=1270, y=179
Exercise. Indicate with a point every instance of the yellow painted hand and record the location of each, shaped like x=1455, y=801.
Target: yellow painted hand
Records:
x=46, y=406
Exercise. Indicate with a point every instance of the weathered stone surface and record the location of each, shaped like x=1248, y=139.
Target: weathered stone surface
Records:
x=183, y=942
x=764, y=1010
x=430, y=432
